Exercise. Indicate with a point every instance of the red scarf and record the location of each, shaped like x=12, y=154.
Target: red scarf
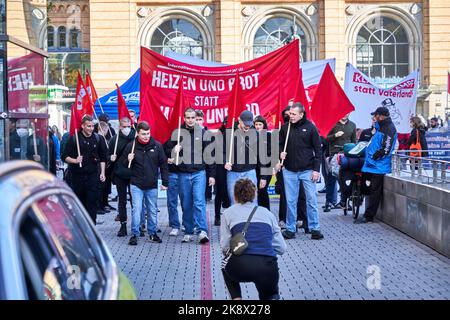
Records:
x=142, y=142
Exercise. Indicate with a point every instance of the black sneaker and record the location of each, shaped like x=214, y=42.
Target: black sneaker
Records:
x=323, y=190
x=115, y=199
x=101, y=212
x=316, y=235
x=110, y=208
x=133, y=241
x=288, y=234
x=217, y=222
x=327, y=208
x=364, y=220
x=142, y=231
x=155, y=238
x=123, y=230
x=159, y=230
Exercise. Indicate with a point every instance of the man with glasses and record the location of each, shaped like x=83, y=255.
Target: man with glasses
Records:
x=301, y=163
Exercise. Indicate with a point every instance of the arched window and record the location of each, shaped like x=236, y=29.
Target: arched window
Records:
x=50, y=37
x=382, y=48
x=180, y=36
x=62, y=41
x=276, y=32
x=75, y=38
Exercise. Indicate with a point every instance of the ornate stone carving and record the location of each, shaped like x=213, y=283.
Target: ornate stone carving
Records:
x=350, y=10
x=207, y=11
x=248, y=11
x=415, y=9
x=143, y=12
x=311, y=10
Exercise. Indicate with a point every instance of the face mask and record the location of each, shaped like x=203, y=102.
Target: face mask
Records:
x=126, y=131
x=22, y=132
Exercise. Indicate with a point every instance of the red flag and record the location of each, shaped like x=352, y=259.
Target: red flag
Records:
x=330, y=103
x=282, y=103
x=235, y=104
x=448, y=83
x=75, y=123
x=122, y=109
x=83, y=102
x=179, y=107
x=300, y=95
x=90, y=88
x=159, y=126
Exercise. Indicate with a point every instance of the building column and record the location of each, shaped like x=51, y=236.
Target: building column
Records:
x=228, y=31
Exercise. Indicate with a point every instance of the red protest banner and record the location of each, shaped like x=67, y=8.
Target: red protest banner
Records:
x=209, y=88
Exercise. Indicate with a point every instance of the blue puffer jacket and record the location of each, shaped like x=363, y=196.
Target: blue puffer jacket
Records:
x=380, y=149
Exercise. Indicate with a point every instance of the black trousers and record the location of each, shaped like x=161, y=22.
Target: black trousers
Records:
x=376, y=194
x=106, y=190
x=261, y=270
x=122, y=185
x=301, y=204
x=86, y=187
x=263, y=195
x=221, y=199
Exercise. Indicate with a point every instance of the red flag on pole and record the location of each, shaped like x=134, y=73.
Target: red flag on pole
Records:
x=81, y=107
x=330, y=103
x=75, y=123
x=122, y=109
x=159, y=126
x=282, y=103
x=90, y=88
x=235, y=105
x=179, y=107
x=300, y=94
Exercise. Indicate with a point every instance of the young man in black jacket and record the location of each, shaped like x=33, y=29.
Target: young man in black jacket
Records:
x=121, y=173
x=146, y=159
x=192, y=173
x=85, y=180
x=301, y=163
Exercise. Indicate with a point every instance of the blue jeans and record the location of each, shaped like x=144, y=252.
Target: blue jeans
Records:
x=292, y=184
x=191, y=187
x=150, y=197
x=172, y=201
x=331, y=188
x=232, y=177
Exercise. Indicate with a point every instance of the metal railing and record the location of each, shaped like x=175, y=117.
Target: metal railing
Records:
x=423, y=169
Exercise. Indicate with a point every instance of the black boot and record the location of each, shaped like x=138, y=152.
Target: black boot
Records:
x=123, y=230
x=217, y=221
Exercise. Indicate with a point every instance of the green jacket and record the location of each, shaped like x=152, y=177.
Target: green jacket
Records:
x=335, y=144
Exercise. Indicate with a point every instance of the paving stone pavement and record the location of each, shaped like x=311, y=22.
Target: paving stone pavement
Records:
x=344, y=265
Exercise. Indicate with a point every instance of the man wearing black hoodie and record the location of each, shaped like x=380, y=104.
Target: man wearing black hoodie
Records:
x=146, y=158
x=121, y=173
x=192, y=172
x=301, y=163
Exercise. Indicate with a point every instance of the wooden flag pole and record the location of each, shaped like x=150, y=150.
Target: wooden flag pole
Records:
x=287, y=139
x=78, y=145
x=134, y=144
x=115, y=144
x=178, y=140
x=232, y=140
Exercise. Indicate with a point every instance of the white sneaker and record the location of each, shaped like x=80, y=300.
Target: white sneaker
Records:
x=282, y=224
x=187, y=238
x=299, y=223
x=203, y=237
x=174, y=232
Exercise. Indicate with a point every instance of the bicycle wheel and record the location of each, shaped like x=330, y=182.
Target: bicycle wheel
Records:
x=356, y=200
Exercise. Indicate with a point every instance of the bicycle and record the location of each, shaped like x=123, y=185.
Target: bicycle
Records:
x=355, y=197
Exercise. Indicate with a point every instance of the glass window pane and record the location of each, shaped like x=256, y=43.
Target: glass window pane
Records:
x=402, y=70
x=27, y=90
x=50, y=37
x=375, y=71
x=389, y=71
x=375, y=54
x=62, y=43
x=388, y=54
x=2, y=16
x=276, y=32
x=403, y=53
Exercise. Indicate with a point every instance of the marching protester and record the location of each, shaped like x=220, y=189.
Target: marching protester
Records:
x=301, y=163
x=245, y=155
x=200, y=120
x=109, y=129
x=222, y=199
x=258, y=262
x=105, y=187
x=85, y=179
x=192, y=172
x=302, y=221
x=343, y=132
x=121, y=172
x=378, y=159
x=147, y=159
x=261, y=126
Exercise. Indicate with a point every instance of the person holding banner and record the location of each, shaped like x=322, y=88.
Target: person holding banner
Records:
x=85, y=178
x=301, y=156
x=261, y=126
x=147, y=158
x=192, y=173
x=378, y=159
x=121, y=173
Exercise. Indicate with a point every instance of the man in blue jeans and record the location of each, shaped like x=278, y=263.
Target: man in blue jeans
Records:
x=246, y=155
x=147, y=157
x=172, y=192
x=301, y=163
x=192, y=172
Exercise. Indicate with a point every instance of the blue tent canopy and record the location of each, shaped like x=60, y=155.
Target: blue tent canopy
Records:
x=130, y=92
